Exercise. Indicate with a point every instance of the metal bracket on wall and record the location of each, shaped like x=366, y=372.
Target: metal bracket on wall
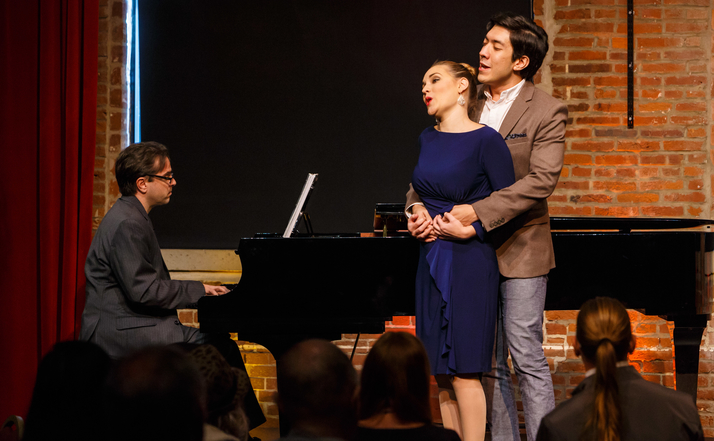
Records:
x=630, y=65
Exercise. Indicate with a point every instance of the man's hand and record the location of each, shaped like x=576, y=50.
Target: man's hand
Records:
x=464, y=214
x=449, y=228
x=212, y=290
x=420, y=224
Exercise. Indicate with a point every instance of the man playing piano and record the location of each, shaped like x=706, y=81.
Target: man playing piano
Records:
x=131, y=299
x=533, y=125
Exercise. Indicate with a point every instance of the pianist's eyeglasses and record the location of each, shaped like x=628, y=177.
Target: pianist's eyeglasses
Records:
x=167, y=178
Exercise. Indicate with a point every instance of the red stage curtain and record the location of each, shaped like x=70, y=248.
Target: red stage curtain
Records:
x=48, y=105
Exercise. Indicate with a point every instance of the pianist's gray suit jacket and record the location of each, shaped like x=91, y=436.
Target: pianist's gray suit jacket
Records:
x=131, y=299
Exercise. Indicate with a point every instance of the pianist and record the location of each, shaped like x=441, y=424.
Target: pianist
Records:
x=131, y=299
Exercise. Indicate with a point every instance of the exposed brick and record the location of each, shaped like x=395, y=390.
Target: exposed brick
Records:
x=649, y=81
x=691, y=107
x=650, y=120
x=616, y=160
x=577, y=133
x=599, y=198
x=588, y=27
x=683, y=145
x=684, y=54
x=578, y=159
x=573, y=185
x=610, y=81
x=599, y=120
x=643, y=42
x=622, y=172
x=571, y=81
x=673, y=133
x=654, y=107
x=661, y=185
x=651, y=94
x=662, y=211
x=604, y=172
x=605, y=93
x=638, y=146
x=638, y=198
x=615, y=186
x=595, y=146
x=612, y=132
x=641, y=28
x=648, y=13
x=695, y=132
x=663, y=67
x=692, y=80
x=695, y=184
x=560, y=42
x=573, y=14
x=604, y=13
x=611, y=107
x=582, y=172
x=673, y=94
x=617, y=211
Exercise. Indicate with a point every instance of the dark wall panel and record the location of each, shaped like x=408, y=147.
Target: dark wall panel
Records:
x=251, y=95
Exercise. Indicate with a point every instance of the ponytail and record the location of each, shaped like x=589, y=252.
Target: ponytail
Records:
x=604, y=334
x=607, y=415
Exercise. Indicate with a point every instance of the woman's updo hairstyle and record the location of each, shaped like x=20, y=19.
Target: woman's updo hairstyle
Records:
x=463, y=70
x=604, y=334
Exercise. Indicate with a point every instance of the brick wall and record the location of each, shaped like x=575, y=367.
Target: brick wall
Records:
x=111, y=104
x=661, y=168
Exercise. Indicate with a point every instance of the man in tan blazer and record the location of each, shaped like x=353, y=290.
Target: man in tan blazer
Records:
x=533, y=125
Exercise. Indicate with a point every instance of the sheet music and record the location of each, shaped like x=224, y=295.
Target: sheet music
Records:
x=300, y=206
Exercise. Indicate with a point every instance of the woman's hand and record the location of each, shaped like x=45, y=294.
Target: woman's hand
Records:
x=449, y=228
x=420, y=224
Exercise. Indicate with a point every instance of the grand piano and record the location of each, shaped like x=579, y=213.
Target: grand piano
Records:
x=301, y=287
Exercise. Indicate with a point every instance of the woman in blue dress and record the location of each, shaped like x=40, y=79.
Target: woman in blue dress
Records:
x=460, y=162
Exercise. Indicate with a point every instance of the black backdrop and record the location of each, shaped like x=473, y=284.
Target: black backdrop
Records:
x=252, y=95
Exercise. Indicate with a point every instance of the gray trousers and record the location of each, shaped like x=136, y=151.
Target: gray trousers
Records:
x=520, y=332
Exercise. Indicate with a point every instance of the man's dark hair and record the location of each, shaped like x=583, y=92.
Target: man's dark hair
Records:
x=137, y=160
x=317, y=387
x=155, y=393
x=527, y=38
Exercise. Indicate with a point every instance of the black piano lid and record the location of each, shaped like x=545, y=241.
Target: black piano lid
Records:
x=624, y=224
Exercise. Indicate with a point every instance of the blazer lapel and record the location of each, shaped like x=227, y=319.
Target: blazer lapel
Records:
x=518, y=108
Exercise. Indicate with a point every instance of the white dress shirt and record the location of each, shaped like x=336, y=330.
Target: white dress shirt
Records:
x=494, y=112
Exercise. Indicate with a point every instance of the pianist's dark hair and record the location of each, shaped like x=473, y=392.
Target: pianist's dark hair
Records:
x=395, y=377
x=137, y=160
x=605, y=337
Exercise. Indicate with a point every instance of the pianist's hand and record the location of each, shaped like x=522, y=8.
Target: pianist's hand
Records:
x=420, y=224
x=464, y=214
x=212, y=290
x=449, y=228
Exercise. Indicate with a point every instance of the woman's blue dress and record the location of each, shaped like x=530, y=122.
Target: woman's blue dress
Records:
x=457, y=281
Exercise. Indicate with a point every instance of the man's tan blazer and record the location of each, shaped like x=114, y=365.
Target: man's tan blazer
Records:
x=517, y=216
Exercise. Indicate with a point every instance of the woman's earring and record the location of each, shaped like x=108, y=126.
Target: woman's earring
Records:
x=461, y=100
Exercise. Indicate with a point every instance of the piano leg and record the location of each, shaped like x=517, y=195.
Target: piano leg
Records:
x=688, y=332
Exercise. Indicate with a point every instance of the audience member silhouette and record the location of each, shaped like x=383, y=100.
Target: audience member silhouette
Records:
x=317, y=392
x=394, y=392
x=226, y=387
x=66, y=401
x=155, y=393
x=613, y=402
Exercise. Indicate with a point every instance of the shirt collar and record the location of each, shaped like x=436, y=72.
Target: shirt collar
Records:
x=507, y=95
x=623, y=363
